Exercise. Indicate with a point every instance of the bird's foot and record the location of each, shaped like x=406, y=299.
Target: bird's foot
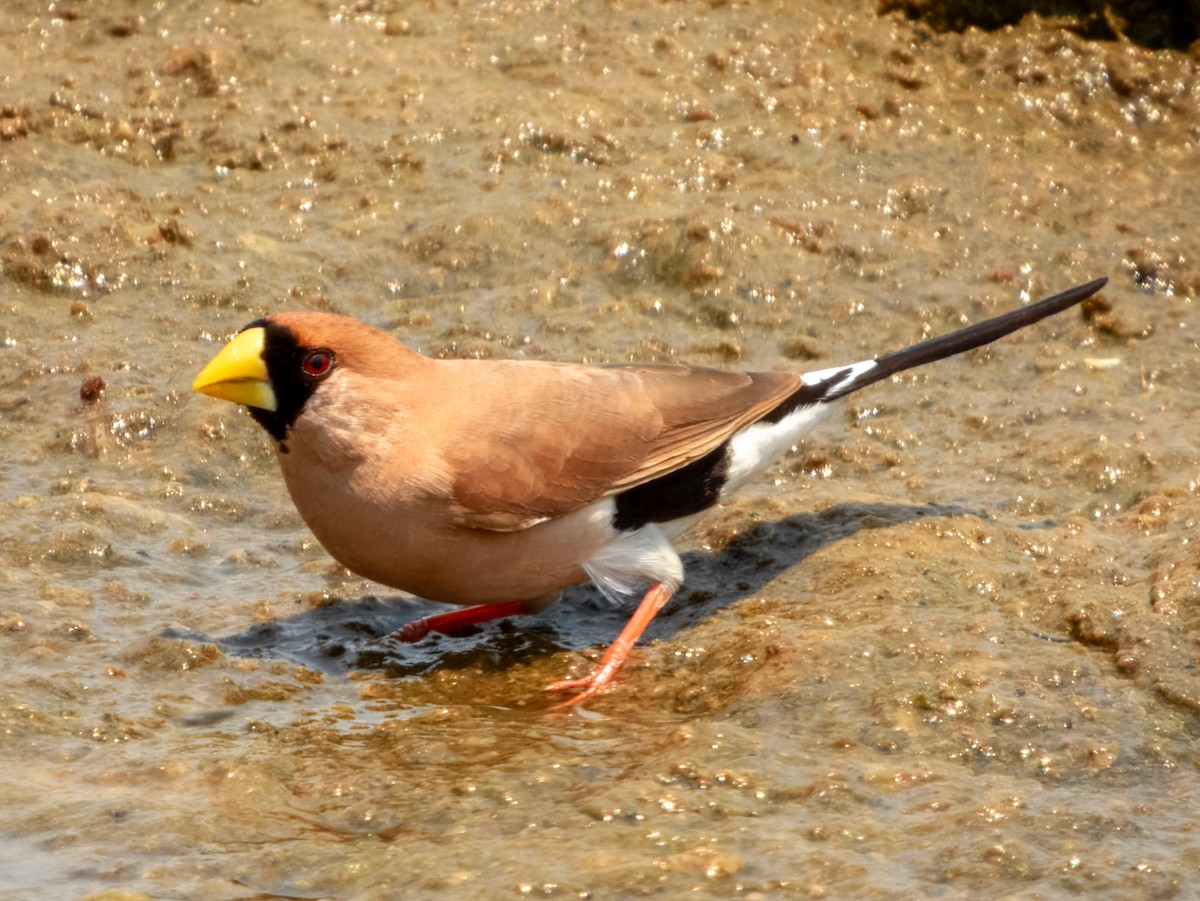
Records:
x=455, y=621
x=587, y=686
x=618, y=652
x=413, y=631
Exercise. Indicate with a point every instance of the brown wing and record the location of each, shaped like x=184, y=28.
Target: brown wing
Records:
x=546, y=439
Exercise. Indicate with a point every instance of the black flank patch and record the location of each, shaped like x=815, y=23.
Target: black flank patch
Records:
x=692, y=489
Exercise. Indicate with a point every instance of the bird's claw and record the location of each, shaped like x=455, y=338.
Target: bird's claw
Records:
x=412, y=631
x=584, y=688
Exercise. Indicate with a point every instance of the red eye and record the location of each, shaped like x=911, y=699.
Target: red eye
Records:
x=318, y=363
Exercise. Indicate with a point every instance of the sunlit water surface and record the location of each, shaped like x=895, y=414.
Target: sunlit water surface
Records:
x=946, y=649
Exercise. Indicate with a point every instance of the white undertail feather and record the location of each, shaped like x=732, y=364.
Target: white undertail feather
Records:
x=627, y=564
x=759, y=446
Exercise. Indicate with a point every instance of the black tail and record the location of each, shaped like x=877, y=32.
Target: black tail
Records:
x=837, y=383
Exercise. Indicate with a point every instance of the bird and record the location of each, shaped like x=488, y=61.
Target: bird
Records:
x=493, y=485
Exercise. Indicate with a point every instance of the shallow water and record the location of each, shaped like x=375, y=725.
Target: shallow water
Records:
x=947, y=649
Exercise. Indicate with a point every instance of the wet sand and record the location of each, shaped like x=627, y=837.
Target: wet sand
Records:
x=947, y=648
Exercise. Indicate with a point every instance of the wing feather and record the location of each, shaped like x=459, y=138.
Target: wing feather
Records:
x=545, y=439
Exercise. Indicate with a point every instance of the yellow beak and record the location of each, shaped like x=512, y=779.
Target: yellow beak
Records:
x=238, y=373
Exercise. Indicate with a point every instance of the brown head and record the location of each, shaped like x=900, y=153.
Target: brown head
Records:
x=274, y=365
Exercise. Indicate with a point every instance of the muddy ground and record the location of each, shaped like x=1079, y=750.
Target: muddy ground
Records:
x=947, y=649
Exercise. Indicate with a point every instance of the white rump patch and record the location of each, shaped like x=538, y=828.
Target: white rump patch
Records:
x=632, y=560
x=759, y=446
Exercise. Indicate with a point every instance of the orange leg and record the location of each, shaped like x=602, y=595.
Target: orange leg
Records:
x=618, y=651
x=449, y=623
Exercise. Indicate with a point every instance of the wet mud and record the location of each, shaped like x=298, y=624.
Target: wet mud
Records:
x=947, y=648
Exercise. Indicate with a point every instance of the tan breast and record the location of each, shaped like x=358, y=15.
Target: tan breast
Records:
x=411, y=545
x=375, y=490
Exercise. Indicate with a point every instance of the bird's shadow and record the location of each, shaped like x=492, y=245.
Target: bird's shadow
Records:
x=349, y=636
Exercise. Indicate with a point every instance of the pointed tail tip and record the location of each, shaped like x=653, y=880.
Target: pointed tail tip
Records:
x=1057, y=302
x=1082, y=291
